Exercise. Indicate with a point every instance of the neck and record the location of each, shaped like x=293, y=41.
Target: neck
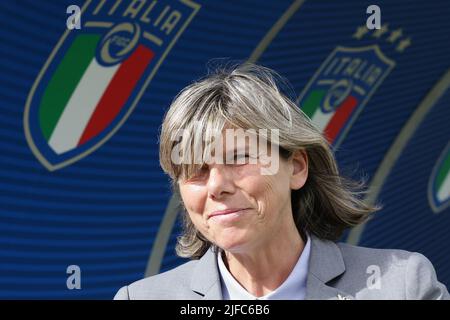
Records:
x=262, y=269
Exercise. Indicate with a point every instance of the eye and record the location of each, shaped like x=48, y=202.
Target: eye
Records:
x=240, y=156
x=199, y=174
x=241, y=159
x=203, y=170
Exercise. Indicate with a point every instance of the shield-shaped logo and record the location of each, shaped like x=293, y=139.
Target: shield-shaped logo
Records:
x=439, y=182
x=95, y=76
x=341, y=88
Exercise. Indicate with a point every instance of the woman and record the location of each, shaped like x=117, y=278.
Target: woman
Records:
x=262, y=215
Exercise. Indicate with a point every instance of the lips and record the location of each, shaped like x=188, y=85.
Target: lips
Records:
x=225, y=212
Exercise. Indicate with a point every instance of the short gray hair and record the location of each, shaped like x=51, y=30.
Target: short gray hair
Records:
x=248, y=96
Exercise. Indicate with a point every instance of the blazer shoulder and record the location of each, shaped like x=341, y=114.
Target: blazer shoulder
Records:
x=392, y=273
x=422, y=282
x=160, y=286
x=356, y=255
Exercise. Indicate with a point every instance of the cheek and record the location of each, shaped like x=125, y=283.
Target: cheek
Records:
x=258, y=190
x=270, y=191
x=194, y=202
x=197, y=220
x=194, y=198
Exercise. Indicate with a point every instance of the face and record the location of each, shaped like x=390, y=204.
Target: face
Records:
x=236, y=207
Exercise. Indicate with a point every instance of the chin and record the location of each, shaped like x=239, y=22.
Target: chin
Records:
x=232, y=243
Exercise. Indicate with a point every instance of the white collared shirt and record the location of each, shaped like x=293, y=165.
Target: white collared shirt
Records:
x=293, y=288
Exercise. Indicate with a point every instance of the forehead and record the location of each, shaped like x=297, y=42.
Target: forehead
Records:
x=238, y=138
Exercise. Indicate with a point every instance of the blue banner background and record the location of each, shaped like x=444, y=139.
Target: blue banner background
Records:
x=103, y=212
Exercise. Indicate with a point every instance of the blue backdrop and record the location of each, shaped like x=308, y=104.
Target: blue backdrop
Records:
x=108, y=211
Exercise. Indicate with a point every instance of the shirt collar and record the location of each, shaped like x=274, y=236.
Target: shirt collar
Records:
x=294, y=287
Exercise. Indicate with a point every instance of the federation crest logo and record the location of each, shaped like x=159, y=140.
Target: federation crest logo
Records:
x=439, y=183
x=95, y=76
x=341, y=88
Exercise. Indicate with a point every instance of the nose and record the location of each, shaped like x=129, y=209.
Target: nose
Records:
x=220, y=182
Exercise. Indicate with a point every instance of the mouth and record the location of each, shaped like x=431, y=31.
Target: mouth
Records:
x=225, y=212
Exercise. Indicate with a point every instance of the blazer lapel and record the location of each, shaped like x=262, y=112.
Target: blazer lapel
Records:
x=325, y=264
x=205, y=278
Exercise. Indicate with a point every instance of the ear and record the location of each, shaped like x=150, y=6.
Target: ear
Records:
x=299, y=169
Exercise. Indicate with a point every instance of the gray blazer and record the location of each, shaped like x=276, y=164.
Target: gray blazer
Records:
x=336, y=271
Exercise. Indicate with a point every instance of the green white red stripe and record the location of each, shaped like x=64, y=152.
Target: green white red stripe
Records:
x=84, y=97
x=443, y=180
x=330, y=123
